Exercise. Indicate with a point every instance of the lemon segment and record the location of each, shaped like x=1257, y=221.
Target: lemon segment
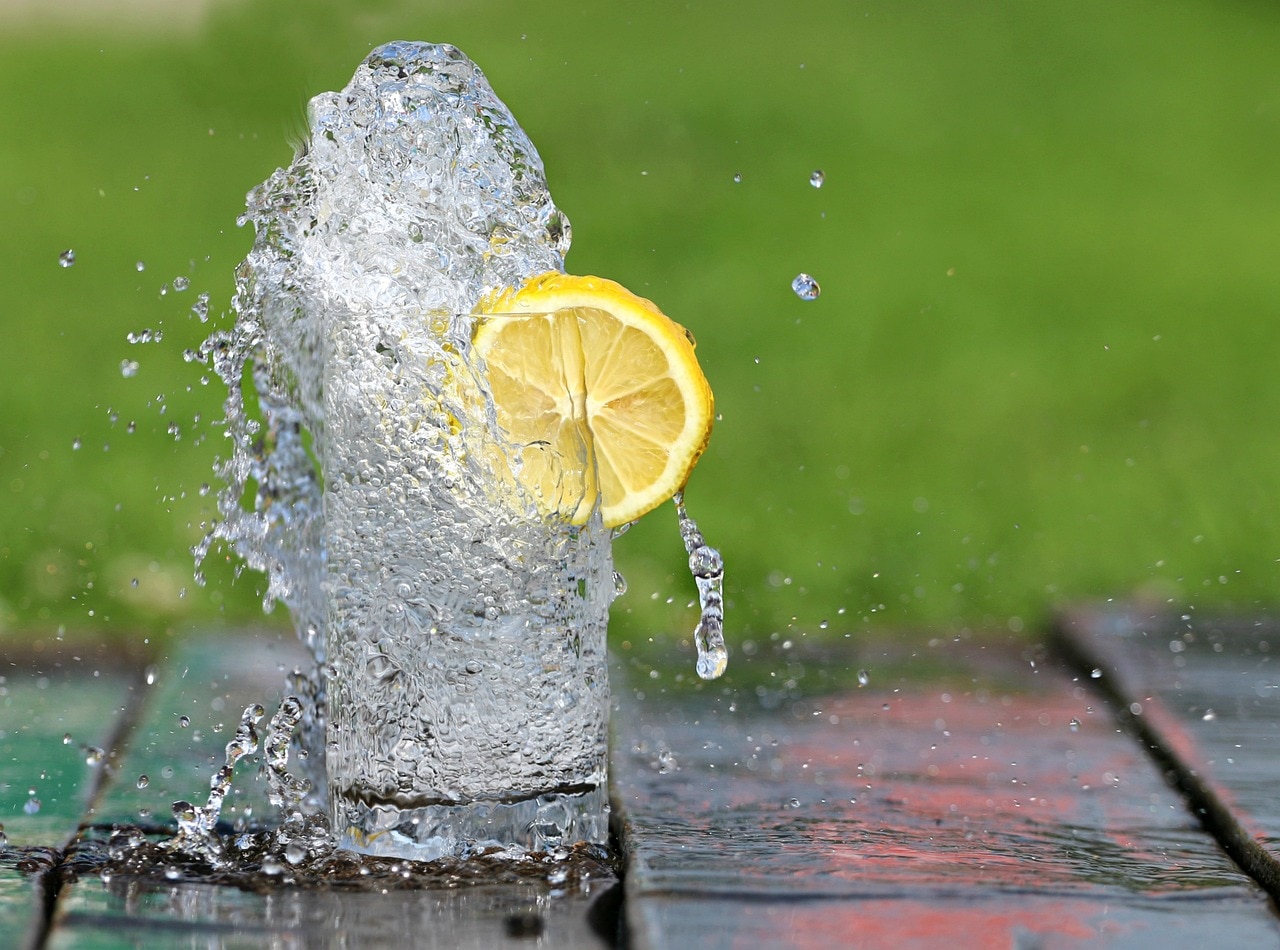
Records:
x=602, y=391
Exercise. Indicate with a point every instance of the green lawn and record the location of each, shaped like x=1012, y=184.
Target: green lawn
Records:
x=1041, y=368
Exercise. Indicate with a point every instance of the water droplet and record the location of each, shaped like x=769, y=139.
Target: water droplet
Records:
x=817, y=178
x=67, y=258
x=171, y=873
x=66, y=738
x=1209, y=715
x=184, y=721
x=181, y=283
x=1096, y=674
x=128, y=368
x=140, y=266
x=619, y=584
x=863, y=677
x=33, y=804
x=4, y=838
x=201, y=308
x=76, y=443
x=737, y=179
x=707, y=568
x=805, y=287
x=271, y=866
x=1075, y=725
x=93, y=755
x=143, y=781
x=294, y=853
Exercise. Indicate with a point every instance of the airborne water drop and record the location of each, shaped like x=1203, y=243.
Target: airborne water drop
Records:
x=805, y=287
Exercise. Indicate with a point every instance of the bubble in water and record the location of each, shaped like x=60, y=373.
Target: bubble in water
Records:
x=1075, y=725
x=67, y=258
x=93, y=755
x=863, y=677
x=184, y=721
x=1096, y=674
x=737, y=179
x=143, y=781
x=128, y=368
x=805, y=287
x=32, y=806
x=181, y=283
x=295, y=852
x=66, y=738
x=4, y=838
x=76, y=443
x=817, y=178
x=140, y=266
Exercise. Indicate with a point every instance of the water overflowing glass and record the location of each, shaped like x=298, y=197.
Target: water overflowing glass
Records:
x=456, y=615
x=460, y=628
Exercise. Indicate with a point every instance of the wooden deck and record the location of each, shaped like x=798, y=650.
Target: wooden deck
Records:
x=1111, y=786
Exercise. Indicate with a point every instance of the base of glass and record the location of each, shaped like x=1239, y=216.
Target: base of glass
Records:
x=543, y=823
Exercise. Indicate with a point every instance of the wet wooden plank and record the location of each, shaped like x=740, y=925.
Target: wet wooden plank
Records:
x=196, y=694
x=60, y=714
x=61, y=708
x=1204, y=696
x=187, y=914
x=209, y=681
x=983, y=799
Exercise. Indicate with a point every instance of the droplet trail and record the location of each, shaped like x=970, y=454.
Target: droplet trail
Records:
x=707, y=568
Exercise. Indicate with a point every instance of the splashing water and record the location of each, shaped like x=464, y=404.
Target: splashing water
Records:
x=416, y=194
x=707, y=568
x=196, y=823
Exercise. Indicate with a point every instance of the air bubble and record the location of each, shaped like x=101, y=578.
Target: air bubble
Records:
x=128, y=368
x=67, y=258
x=817, y=178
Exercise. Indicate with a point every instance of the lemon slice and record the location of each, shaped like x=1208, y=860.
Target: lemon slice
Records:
x=602, y=379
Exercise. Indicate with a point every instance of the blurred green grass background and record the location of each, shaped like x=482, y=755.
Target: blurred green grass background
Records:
x=1041, y=368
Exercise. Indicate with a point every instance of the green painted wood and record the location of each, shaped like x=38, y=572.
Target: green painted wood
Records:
x=210, y=681
x=196, y=694
x=966, y=796
x=61, y=708
x=97, y=915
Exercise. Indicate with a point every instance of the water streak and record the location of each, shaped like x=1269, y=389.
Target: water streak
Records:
x=707, y=568
x=196, y=834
